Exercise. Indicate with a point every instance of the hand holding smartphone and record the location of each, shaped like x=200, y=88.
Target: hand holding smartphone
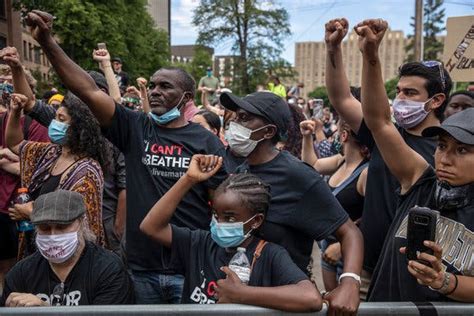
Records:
x=421, y=226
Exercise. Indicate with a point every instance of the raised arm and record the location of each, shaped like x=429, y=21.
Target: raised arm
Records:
x=404, y=163
x=337, y=84
x=142, y=82
x=72, y=76
x=157, y=222
x=326, y=166
x=13, y=133
x=102, y=56
x=11, y=57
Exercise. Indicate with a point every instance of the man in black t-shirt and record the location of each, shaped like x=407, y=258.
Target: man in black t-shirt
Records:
x=157, y=148
x=68, y=268
x=121, y=76
x=302, y=207
x=426, y=84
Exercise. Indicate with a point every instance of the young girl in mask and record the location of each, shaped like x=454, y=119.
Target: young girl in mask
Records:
x=238, y=210
x=71, y=162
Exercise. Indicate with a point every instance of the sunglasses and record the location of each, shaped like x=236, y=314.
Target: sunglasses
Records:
x=435, y=63
x=58, y=295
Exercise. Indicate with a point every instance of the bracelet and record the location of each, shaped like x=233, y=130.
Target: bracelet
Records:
x=445, y=284
x=350, y=275
x=455, y=285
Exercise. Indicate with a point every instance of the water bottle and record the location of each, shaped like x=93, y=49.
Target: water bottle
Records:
x=241, y=265
x=22, y=198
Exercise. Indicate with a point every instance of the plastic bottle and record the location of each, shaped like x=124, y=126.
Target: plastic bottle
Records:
x=22, y=198
x=241, y=265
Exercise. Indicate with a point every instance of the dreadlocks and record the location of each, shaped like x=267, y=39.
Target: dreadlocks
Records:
x=254, y=192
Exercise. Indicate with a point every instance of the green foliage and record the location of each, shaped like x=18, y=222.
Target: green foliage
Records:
x=124, y=25
x=391, y=88
x=320, y=93
x=255, y=31
x=433, y=17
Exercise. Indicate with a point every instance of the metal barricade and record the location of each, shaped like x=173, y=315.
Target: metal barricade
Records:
x=399, y=308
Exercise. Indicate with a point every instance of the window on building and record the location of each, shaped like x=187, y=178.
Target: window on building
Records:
x=37, y=52
x=3, y=10
x=3, y=41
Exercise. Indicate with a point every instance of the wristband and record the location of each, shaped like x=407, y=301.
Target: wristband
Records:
x=444, y=286
x=455, y=286
x=350, y=275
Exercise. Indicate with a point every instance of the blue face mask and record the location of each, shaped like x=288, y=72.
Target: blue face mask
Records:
x=169, y=116
x=229, y=235
x=209, y=73
x=57, y=132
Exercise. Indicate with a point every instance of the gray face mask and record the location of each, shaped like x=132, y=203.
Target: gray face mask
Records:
x=448, y=197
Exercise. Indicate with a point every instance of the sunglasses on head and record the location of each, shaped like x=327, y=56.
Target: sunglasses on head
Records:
x=435, y=63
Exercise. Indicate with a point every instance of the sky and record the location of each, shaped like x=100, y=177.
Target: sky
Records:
x=307, y=18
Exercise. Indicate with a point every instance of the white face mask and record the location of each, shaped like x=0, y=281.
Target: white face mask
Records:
x=57, y=248
x=239, y=140
x=409, y=113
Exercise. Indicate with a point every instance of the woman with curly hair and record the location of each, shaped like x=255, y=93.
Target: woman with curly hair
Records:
x=71, y=162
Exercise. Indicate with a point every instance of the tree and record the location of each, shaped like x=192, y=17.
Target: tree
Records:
x=433, y=17
x=124, y=25
x=320, y=93
x=254, y=29
x=391, y=88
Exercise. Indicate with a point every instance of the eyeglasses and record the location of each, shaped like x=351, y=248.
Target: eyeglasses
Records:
x=58, y=295
x=435, y=63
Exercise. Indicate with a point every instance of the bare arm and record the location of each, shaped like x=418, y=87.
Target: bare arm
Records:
x=156, y=222
x=300, y=297
x=10, y=166
x=12, y=58
x=326, y=166
x=404, y=163
x=337, y=83
x=71, y=75
x=14, y=133
x=102, y=56
x=142, y=82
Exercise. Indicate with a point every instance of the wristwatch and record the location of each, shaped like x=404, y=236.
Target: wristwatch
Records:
x=350, y=275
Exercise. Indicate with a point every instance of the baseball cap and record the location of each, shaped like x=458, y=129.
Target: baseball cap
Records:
x=117, y=59
x=60, y=207
x=99, y=80
x=264, y=104
x=460, y=126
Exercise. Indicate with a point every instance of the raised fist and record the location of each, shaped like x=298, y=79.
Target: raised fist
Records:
x=307, y=127
x=202, y=167
x=141, y=82
x=101, y=55
x=18, y=102
x=41, y=25
x=371, y=33
x=10, y=56
x=336, y=30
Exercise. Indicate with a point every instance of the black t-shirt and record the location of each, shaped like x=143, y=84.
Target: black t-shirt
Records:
x=380, y=201
x=98, y=278
x=302, y=207
x=202, y=258
x=231, y=161
x=114, y=182
x=155, y=158
x=391, y=280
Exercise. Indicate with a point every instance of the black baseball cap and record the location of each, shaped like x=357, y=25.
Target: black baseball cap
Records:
x=264, y=104
x=117, y=59
x=460, y=126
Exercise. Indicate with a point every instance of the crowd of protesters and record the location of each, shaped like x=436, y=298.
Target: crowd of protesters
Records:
x=138, y=196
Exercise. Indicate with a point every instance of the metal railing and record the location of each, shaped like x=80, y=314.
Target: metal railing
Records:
x=399, y=308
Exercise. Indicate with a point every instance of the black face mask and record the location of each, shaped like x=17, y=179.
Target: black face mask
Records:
x=450, y=198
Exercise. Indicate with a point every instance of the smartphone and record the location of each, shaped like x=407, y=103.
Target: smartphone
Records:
x=101, y=46
x=318, y=108
x=421, y=226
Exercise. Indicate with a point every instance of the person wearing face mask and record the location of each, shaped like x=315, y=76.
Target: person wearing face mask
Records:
x=302, y=208
x=208, y=86
x=422, y=93
x=239, y=206
x=447, y=272
x=157, y=147
x=73, y=161
x=68, y=268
